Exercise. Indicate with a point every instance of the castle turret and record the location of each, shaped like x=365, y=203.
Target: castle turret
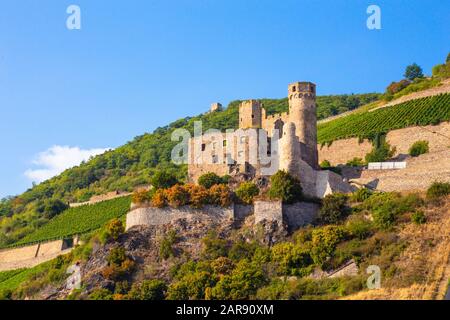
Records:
x=289, y=150
x=302, y=113
x=250, y=114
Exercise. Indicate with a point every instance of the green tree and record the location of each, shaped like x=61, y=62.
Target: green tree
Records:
x=418, y=148
x=246, y=192
x=210, y=179
x=148, y=290
x=334, y=208
x=163, y=180
x=285, y=187
x=413, y=71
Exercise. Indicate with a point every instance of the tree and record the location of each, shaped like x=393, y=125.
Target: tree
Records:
x=285, y=187
x=246, y=192
x=448, y=58
x=413, y=71
x=334, y=208
x=163, y=180
x=210, y=179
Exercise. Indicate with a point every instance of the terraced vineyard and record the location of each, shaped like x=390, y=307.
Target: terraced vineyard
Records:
x=425, y=111
x=79, y=220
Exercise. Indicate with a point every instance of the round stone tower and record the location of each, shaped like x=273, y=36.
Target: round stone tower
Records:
x=289, y=150
x=302, y=113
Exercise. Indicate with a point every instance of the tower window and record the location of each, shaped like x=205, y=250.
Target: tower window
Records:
x=294, y=89
x=253, y=116
x=203, y=147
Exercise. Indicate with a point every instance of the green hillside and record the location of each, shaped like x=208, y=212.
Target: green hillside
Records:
x=425, y=111
x=79, y=220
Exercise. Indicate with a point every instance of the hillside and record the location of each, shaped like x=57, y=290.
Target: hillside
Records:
x=132, y=165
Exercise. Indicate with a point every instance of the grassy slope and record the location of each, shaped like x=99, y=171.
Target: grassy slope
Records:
x=80, y=220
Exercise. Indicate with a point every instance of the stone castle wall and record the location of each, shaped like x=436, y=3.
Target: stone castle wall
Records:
x=342, y=151
x=294, y=216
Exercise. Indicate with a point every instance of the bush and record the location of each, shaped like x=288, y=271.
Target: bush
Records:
x=163, y=180
x=385, y=216
x=325, y=164
x=359, y=227
x=334, y=208
x=285, y=187
x=395, y=87
x=246, y=192
x=177, y=196
x=51, y=208
x=355, y=162
x=324, y=242
x=166, y=249
x=438, y=189
x=141, y=196
x=381, y=153
x=242, y=283
x=418, y=217
x=159, y=199
x=290, y=259
x=214, y=247
x=199, y=196
x=101, y=294
x=148, y=290
x=418, y=148
x=220, y=195
x=210, y=179
x=362, y=194
x=222, y=266
x=114, y=229
x=119, y=265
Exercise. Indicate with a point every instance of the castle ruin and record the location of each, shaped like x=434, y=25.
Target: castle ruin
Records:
x=264, y=144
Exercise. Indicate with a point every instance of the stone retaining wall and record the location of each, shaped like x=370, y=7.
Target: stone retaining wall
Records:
x=341, y=151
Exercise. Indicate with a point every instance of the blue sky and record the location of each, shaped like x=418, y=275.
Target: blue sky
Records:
x=136, y=65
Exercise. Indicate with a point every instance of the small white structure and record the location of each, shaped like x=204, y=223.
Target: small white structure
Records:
x=386, y=165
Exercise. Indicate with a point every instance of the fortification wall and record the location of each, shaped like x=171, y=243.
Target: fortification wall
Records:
x=341, y=151
x=159, y=216
x=100, y=198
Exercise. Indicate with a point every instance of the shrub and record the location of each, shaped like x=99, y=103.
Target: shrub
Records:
x=334, y=208
x=214, y=247
x=51, y=208
x=141, y=196
x=285, y=187
x=148, y=290
x=119, y=265
x=163, y=180
x=241, y=250
x=418, y=148
x=355, y=162
x=438, y=189
x=199, y=196
x=159, y=199
x=381, y=153
x=324, y=242
x=114, y=229
x=418, y=217
x=359, y=227
x=385, y=216
x=166, y=249
x=222, y=266
x=220, y=195
x=101, y=294
x=325, y=164
x=193, y=286
x=395, y=87
x=177, y=196
x=246, y=192
x=243, y=283
x=210, y=179
x=362, y=194
x=290, y=258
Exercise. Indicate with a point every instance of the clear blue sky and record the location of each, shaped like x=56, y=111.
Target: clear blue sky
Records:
x=137, y=65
